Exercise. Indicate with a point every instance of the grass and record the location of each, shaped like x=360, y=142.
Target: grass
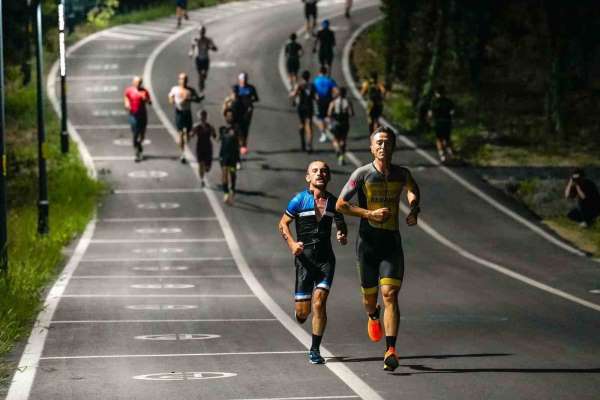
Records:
x=481, y=148
x=33, y=260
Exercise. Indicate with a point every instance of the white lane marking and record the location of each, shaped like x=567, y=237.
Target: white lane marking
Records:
x=167, y=30
x=178, y=336
x=474, y=190
x=199, y=240
x=167, y=268
x=239, y=353
x=158, y=206
x=128, y=259
x=144, y=174
x=342, y=371
x=161, y=307
x=120, y=46
x=141, y=191
x=112, y=127
x=22, y=381
x=158, y=219
x=161, y=250
x=150, y=296
x=107, y=56
x=162, y=286
x=222, y=64
x=184, y=376
x=102, y=89
x=595, y=291
x=102, y=67
x=127, y=142
x=152, y=321
x=112, y=34
x=302, y=398
x=142, y=33
x=91, y=78
x=95, y=101
x=431, y=231
x=155, y=231
x=109, y=113
x=155, y=276
x=114, y=158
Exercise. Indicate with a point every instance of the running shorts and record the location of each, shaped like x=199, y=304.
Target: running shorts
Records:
x=325, y=57
x=375, y=111
x=202, y=64
x=305, y=113
x=292, y=65
x=183, y=120
x=310, y=10
x=322, y=107
x=315, y=268
x=380, y=261
x=340, y=130
x=181, y=3
x=443, y=129
x=138, y=123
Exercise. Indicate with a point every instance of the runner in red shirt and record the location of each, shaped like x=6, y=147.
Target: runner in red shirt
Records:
x=135, y=99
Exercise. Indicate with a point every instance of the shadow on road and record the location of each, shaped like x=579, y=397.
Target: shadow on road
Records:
x=436, y=357
x=422, y=369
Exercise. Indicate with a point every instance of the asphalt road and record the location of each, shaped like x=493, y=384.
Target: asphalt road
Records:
x=180, y=297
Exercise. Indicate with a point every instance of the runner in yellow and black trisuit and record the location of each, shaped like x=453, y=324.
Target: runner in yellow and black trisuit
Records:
x=379, y=186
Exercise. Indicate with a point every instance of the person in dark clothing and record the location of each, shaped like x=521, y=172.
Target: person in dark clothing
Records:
x=585, y=192
x=229, y=156
x=246, y=95
x=204, y=149
x=304, y=95
x=441, y=112
x=293, y=53
x=326, y=42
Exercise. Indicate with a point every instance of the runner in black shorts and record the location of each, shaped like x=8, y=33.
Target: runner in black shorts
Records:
x=204, y=149
x=442, y=111
x=229, y=156
x=340, y=112
x=326, y=43
x=379, y=186
x=310, y=13
x=314, y=211
x=293, y=53
x=304, y=93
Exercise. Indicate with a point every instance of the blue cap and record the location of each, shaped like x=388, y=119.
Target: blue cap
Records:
x=325, y=23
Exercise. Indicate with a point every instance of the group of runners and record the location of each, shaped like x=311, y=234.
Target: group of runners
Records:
x=377, y=185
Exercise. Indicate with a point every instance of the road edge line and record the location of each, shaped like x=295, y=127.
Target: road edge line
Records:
x=22, y=381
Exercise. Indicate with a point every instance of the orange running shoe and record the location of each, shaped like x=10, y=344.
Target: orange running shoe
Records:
x=374, y=326
x=390, y=359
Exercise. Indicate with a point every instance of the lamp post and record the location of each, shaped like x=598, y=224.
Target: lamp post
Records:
x=3, y=219
x=64, y=134
x=43, y=205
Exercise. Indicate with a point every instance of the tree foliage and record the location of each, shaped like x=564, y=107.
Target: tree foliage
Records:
x=520, y=66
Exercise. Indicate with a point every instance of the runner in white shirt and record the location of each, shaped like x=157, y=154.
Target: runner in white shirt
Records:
x=182, y=96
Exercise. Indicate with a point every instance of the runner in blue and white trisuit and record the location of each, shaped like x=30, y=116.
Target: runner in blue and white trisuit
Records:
x=314, y=211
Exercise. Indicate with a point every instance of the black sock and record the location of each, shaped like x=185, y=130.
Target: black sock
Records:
x=390, y=341
x=225, y=188
x=316, y=342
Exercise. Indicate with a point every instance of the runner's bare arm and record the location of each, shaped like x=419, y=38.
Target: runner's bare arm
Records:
x=284, y=229
x=344, y=206
x=413, y=195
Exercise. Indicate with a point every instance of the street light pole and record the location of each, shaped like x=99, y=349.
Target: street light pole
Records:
x=3, y=219
x=42, y=148
x=64, y=134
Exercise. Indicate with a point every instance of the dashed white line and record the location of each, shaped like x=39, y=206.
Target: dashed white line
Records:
x=158, y=219
x=198, y=240
x=152, y=321
x=240, y=353
x=143, y=191
x=151, y=296
x=128, y=259
x=102, y=127
x=156, y=276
